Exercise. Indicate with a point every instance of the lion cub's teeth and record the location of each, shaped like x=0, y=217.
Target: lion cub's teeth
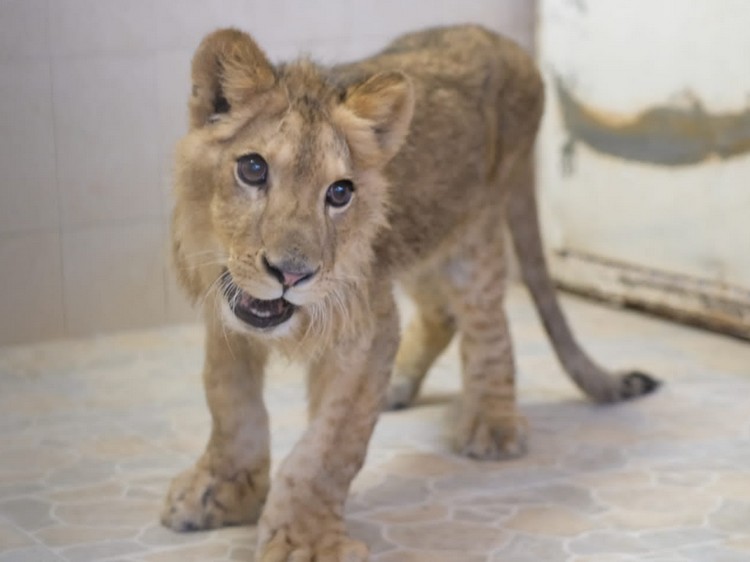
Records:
x=261, y=313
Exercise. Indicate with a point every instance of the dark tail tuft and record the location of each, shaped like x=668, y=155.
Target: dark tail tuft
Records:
x=636, y=383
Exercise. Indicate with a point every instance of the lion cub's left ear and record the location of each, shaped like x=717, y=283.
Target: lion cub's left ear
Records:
x=375, y=116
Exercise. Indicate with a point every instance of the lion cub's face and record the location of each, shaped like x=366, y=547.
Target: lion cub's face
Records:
x=279, y=185
x=284, y=211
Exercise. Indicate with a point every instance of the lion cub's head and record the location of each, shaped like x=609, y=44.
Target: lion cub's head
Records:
x=278, y=183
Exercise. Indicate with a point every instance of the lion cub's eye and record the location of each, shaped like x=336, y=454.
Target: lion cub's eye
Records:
x=339, y=193
x=252, y=169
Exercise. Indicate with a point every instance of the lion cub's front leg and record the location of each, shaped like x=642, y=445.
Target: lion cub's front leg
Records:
x=229, y=483
x=303, y=518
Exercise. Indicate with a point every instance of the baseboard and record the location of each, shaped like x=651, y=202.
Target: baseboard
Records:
x=700, y=302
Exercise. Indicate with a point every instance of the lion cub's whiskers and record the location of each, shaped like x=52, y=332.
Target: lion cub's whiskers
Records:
x=211, y=288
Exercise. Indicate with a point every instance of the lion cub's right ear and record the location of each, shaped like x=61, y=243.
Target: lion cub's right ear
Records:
x=229, y=70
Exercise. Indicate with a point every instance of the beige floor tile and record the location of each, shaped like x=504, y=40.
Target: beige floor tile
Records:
x=447, y=535
x=552, y=521
x=125, y=513
x=198, y=553
x=11, y=537
x=428, y=556
x=67, y=535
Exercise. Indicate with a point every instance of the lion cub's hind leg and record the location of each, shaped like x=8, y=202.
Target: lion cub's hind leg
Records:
x=489, y=425
x=428, y=334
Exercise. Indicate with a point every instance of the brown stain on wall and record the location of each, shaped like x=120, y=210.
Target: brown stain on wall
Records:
x=666, y=135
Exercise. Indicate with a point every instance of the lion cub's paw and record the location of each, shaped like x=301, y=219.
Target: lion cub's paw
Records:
x=199, y=500
x=401, y=393
x=283, y=546
x=491, y=439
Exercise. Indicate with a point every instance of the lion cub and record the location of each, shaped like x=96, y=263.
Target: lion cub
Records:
x=302, y=194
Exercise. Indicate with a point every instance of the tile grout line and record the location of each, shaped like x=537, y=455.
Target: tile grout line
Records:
x=164, y=217
x=60, y=234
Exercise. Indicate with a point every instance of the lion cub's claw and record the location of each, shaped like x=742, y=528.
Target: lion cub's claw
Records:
x=281, y=546
x=198, y=500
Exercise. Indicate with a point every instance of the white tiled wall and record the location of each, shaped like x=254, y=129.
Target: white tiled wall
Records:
x=106, y=136
x=92, y=100
x=27, y=148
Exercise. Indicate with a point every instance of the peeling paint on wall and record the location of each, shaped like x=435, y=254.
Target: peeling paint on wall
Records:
x=667, y=135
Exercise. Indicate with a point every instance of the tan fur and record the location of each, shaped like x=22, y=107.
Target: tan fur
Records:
x=436, y=134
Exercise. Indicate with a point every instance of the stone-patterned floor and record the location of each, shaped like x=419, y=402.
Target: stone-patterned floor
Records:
x=92, y=430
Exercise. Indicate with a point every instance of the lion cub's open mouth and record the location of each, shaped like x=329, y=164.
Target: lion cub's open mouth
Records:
x=257, y=313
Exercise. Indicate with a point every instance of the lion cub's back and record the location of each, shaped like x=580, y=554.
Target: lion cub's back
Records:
x=464, y=51
x=472, y=90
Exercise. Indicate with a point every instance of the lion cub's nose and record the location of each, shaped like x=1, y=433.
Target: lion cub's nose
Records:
x=288, y=273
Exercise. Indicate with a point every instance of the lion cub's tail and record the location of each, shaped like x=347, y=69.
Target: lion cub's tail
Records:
x=596, y=382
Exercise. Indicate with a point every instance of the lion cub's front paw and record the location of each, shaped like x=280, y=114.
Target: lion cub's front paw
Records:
x=330, y=548
x=199, y=500
x=286, y=545
x=503, y=437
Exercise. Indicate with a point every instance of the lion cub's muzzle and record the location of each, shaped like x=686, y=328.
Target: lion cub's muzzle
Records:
x=290, y=272
x=258, y=313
